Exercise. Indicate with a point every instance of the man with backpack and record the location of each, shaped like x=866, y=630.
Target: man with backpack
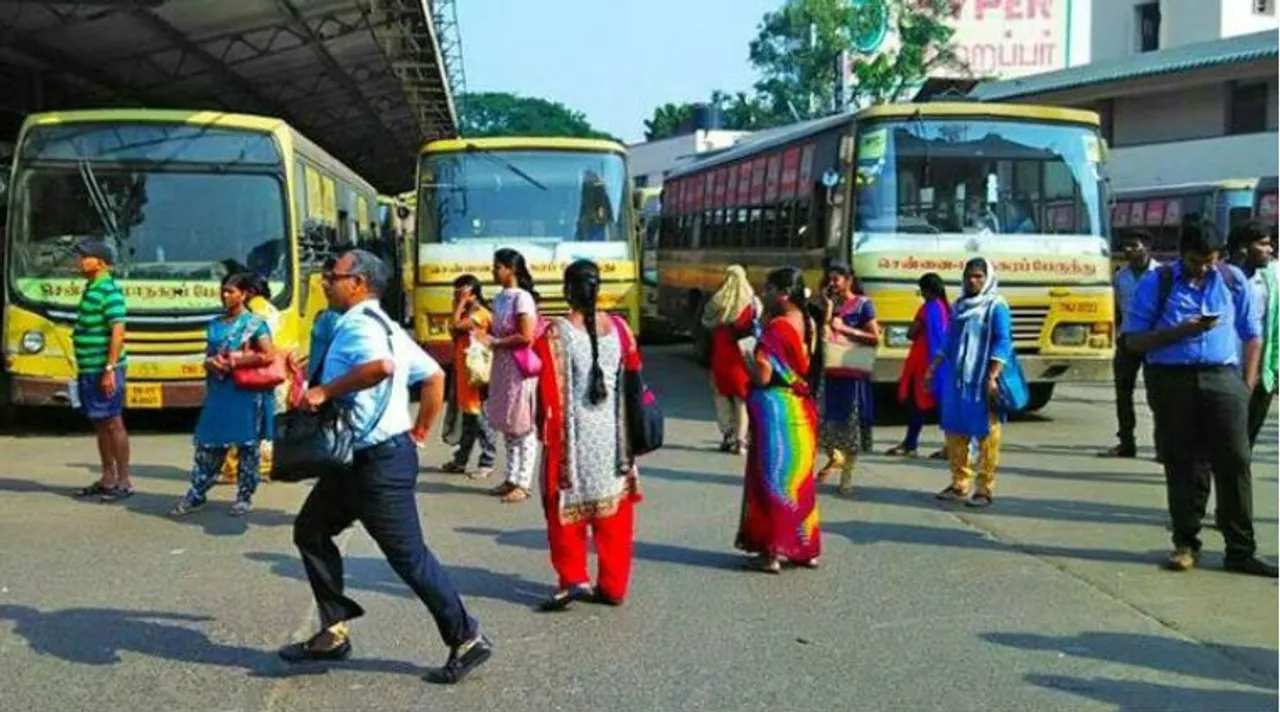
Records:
x=1126, y=363
x=1196, y=324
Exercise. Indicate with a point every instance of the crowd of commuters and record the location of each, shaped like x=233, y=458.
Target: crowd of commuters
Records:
x=1202, y=331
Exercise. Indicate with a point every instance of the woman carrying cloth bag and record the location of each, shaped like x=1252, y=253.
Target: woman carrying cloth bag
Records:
x=731, y=315
x=848, y=396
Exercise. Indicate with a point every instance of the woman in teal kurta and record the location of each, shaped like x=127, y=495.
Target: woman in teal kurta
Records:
x=231, y=416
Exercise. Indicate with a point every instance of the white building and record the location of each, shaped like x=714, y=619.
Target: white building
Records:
x=1186, y=89
x=651, y=160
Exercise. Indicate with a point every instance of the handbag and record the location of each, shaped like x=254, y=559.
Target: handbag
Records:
x=323, y=443
x=645, y=423
x=527, y=362
x=1012, y=393
x=842, y=358
x=479, y=364
x=262, y=378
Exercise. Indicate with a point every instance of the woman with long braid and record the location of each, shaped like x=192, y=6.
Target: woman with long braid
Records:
x=588, y=474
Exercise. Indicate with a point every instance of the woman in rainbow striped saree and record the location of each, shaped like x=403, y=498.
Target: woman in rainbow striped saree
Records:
x=779, y=507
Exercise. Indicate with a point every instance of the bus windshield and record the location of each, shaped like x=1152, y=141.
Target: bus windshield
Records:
x=539, y=195
x=978, y=176
x=181, y=224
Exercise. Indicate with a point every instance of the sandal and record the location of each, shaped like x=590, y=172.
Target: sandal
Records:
x=183, y=508
x=765, y=565
x=453, y=467
x=516, y=495
x=115, y=494
x=561, y=600
x=951, y=494
x=481, y=473
x=901, y=451
x=93, y=490
x=813, y=563
x=503, y=489
x=979, y=501
x=825, y=473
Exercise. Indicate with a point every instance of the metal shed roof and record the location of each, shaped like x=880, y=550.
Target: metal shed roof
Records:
x=1200, y=55
x=363, y=78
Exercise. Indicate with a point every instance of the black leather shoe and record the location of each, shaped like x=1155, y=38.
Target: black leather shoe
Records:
x=462, y=664
x=1253, y=566
x=308, y=652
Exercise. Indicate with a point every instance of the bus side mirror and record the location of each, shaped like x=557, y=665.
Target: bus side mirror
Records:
x=402, y=212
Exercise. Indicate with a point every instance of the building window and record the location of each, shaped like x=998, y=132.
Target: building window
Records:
x=1247, y=112
x=1148, y=26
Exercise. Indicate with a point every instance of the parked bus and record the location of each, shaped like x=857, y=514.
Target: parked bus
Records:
x=553, y=199
x=1264, y=202
x=1164, y=211
x=186, y=197
x=900, y=190
x=650, y=202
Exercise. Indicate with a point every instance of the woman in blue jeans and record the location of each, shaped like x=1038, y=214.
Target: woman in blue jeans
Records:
x=231, y=416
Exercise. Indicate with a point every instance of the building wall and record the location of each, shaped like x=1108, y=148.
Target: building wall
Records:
x=1196, y=112
x=1220, y=158
x=651, y=160
x=1114, y=24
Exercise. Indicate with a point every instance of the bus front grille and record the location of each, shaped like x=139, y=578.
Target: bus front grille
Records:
x=1028, y=325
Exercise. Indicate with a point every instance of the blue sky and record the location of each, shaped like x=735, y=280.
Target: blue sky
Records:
x=615, y=64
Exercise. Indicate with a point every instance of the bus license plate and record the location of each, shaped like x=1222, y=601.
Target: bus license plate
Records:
x=142, y=395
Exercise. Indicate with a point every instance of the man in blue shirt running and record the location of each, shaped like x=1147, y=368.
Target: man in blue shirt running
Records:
x=1196, y=324
x=368, y=367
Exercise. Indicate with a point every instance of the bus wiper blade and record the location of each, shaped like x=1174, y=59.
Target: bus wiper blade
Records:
x=101, y=203
x=472, y=148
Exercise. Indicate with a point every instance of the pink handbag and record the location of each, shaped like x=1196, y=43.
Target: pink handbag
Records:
x=527, y=362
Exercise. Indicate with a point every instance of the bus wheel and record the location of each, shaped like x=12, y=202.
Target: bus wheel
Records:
x=1039, y=396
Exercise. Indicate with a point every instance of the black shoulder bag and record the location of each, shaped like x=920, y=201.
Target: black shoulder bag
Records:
x=321, y=444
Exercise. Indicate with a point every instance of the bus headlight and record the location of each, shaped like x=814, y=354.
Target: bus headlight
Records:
x=895, y=336
x=32, y=342
x=1070, y=334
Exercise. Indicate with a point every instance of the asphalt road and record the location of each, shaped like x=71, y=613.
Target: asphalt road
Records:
x=1050, y=600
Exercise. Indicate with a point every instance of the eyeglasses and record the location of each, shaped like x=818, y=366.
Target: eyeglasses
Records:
x=332, y=277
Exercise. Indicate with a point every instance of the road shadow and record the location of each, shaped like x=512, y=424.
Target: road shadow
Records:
x=150, y=472
x=536, y=540
x=869, y=533
x=213, y=518
x=366, y=573
x=1164, y=654
x=1133, y=696
x=98, y=636
x=46, y=422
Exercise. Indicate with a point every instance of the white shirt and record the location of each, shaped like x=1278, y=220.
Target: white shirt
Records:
x=359, y=338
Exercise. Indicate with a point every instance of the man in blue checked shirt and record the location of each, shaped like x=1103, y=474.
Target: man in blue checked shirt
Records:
x=1197, y=325
x=369, y=365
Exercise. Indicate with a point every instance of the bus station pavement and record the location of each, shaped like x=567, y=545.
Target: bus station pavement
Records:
x=1051, y=600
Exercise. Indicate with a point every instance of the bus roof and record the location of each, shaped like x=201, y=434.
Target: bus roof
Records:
x=528, y=143
x=783, y=135
x=1186, y=188
x=250, y=122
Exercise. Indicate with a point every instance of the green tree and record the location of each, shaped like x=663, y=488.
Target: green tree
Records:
x=798, y=48
x=738, y=112
x=503, y=114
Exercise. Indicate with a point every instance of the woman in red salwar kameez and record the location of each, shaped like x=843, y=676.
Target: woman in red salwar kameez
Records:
x=588, y=475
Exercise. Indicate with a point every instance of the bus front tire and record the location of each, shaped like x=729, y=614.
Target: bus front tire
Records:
x=1039, y=395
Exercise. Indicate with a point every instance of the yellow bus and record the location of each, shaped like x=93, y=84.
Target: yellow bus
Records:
x=649, y=221
x=186, y=197
x=901, y=190
x=553, y=199
x=1162, y=211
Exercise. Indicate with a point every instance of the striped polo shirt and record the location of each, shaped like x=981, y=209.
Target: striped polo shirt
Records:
x=101, y=306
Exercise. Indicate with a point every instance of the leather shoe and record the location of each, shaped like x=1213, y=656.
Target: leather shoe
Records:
x=462, y=662
x=1253, y=566
x=309, y=652
x=1184, y=558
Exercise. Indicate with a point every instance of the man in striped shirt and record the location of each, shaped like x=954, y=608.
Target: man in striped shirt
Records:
x=98, y=340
